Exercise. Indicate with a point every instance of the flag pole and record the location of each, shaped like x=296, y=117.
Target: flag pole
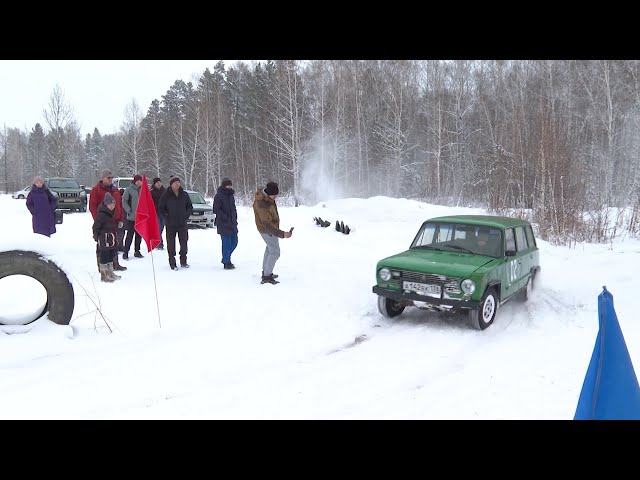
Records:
x=153, y=266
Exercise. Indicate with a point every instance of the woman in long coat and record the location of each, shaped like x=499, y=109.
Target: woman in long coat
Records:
x=42, y=204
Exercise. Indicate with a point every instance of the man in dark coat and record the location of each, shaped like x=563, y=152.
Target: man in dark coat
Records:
x=96, y=197
x=226, y=222
x=42, y=205
x=157, y=189
x=176, y=207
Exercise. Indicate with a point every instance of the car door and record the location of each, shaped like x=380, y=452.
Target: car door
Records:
x=514, y=268
x=524, y=256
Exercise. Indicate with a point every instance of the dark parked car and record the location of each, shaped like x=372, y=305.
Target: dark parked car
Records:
x=70, y=195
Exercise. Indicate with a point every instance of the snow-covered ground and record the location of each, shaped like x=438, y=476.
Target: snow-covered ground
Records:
x=313, y=346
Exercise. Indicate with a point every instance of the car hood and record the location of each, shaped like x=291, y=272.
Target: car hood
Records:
x=202, y=207
x=451, y=264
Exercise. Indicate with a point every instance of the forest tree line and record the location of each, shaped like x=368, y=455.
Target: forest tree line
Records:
x=557, y=141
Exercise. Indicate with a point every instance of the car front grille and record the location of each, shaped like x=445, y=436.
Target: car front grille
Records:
x=69, y=195
x=449, y=284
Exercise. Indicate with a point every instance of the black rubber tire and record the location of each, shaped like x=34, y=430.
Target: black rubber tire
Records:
x=388, y=307
x=60, y=295
x=528, y=288
x=476, y=318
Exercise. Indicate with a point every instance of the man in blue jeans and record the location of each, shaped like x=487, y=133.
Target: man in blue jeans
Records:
x=157, y=189
x=226, y=222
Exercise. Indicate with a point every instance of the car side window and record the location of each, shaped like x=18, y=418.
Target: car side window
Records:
x=510, y=240
x=521, y=240
x=530, y=237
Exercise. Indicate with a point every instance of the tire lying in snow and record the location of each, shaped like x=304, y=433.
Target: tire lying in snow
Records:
x=60, y=296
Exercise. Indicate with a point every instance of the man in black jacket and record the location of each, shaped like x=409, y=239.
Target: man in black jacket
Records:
x=224, y=206
x=176, y=207
x=157, y=189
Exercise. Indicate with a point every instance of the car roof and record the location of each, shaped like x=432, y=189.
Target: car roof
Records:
x=488, y=220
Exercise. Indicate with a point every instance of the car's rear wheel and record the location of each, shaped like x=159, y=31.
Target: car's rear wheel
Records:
x=528, y=289
x=21, y=197
x=388, y=307
x=482, y=317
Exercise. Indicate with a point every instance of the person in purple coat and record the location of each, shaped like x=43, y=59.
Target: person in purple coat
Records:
x=42, y=204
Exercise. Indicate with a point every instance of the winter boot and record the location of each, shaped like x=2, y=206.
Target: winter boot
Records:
x=116, y=265
x=112, y=275
x=98, y=261
x=273, y=274
x=269, y=279
x=125, y=256
x=137, y=254
x=104, y=273
x=229, y=266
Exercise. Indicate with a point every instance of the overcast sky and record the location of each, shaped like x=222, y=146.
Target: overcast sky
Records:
x=97, y=90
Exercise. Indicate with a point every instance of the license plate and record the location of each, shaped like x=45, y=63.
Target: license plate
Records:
x=197, y=213
x=422, y=288
x=69, y=200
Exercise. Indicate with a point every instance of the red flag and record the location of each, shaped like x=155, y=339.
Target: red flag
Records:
x=146, y=218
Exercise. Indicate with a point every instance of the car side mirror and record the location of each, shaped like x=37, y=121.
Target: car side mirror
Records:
x=510, y=253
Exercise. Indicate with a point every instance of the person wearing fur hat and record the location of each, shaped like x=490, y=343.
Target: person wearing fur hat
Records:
x=42, y=205
x=176, y=207
x=96, y=197
x=157, y=189
x=226, y=222
x=104, y=233
x=268, y=224
x=130, y=200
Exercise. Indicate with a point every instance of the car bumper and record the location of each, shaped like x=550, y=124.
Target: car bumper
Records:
x=201, y=220
x=398, y=295
x=71, y=203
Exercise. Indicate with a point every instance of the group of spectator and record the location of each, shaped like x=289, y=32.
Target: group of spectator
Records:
x=114, y=213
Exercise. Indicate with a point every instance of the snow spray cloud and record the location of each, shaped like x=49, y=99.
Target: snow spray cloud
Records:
x=317, y=178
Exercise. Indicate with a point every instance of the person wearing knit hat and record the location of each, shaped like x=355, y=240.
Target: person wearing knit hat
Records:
x=268, y=224
x=176, y=208
x=226, y=222
x=104, y=233
x=157, y=190
x=130, y=200
x=42, y=205
x=271, y=188
x=96, y=198
x=109, y=200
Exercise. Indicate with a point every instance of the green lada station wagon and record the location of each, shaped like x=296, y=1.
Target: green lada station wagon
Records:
x=469, y=264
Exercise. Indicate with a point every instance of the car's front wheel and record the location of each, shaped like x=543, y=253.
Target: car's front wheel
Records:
x=485, y=314
x=21, y=197
x=388, y=307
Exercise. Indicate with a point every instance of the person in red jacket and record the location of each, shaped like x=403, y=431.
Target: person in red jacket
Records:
x=96, y=197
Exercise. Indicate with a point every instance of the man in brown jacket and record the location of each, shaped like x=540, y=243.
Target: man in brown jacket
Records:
x=268, y=223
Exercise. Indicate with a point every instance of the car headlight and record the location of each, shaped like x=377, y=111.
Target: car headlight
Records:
x=385, y=274
x=468, y=286
x=83, y=194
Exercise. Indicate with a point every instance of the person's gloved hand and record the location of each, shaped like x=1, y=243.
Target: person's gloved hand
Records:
x=120, y=224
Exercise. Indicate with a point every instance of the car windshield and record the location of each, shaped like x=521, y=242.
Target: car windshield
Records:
x=459, y=237
x=197, y=198
x=125, y=182
x=63, y=183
